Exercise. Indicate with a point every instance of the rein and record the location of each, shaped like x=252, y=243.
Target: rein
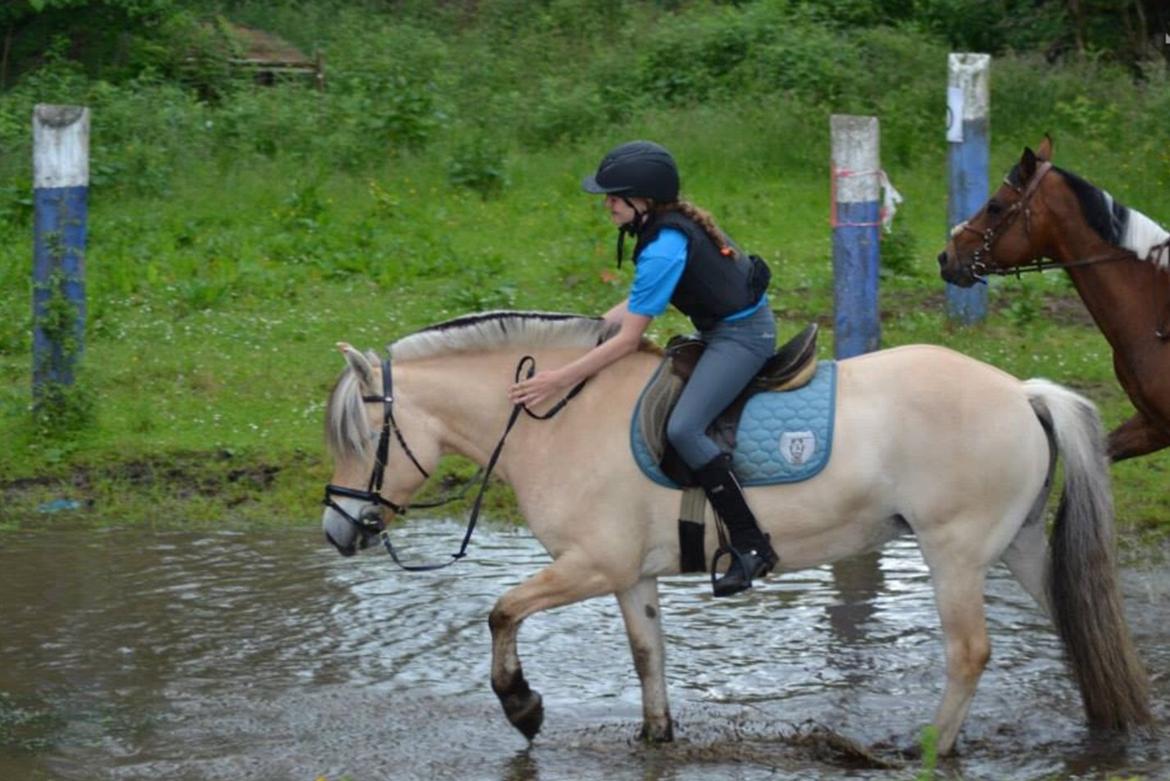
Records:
x=369, y=525
x=1044, y=264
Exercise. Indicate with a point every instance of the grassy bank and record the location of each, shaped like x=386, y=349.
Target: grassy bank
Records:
x=233, y=243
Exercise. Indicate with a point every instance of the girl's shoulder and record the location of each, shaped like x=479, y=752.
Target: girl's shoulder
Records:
x=668, y=241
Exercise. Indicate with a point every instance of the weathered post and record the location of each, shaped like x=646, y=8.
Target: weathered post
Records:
x=60, y=184
x=856, y=218
x=968, y=103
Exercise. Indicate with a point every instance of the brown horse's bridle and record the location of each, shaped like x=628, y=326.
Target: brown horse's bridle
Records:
x=981, y=258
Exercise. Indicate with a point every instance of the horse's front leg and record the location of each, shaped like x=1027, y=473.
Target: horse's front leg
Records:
x=1136, y=437
x=644, y=627
x=569, y=579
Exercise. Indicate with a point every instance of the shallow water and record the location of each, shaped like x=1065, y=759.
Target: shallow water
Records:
x=134, y=655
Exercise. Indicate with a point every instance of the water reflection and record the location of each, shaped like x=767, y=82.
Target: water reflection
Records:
x=135, y=655
x=858, y=581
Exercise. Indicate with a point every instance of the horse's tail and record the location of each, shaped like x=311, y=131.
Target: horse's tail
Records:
x=1082, y=580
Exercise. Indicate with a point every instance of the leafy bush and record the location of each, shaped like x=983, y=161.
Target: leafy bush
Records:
x=478, y=164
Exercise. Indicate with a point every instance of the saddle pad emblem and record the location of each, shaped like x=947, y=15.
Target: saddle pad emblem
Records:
x=798, y=447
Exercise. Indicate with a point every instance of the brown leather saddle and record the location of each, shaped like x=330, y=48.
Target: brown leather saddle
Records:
x=791, y=367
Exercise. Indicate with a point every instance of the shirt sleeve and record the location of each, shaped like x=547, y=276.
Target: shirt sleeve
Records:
x=659, y=268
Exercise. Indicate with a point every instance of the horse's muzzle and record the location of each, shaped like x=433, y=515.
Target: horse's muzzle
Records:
x=954, y=272
x=344, y=550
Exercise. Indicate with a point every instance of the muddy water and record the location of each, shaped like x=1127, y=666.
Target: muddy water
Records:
x=133, y=655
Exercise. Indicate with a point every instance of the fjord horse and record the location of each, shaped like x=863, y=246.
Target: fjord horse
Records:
x=927, y=442
x=1118, y=260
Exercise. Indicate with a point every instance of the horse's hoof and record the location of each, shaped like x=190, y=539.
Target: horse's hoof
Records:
x=657, y=733
x=526, y=712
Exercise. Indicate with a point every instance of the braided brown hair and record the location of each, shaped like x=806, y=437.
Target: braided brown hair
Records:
x=702, y=218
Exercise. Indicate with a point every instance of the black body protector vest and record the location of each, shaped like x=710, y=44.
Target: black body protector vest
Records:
x=713, y=285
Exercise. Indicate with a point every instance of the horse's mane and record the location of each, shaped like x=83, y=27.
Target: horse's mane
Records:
x=492, y=330
x=347, y=430
x=1112, y=220
x=1105, y=216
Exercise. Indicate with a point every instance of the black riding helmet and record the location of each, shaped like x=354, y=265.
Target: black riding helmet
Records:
x=636, y=169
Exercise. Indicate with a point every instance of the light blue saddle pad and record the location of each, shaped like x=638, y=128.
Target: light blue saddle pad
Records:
x=782, y=437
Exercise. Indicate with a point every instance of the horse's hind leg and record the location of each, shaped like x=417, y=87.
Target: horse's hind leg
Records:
x=959, y=592
x=563, y=582
x=644, y=627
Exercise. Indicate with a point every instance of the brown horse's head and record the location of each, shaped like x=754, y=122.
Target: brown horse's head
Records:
x=1007, y=231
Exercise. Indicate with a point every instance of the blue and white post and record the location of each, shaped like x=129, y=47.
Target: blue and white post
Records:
x=968, y=125
x=856, y=220
x=60, y=186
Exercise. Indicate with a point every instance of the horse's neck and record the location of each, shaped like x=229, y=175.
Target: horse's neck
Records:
x=466, y=396
x=1121, y=295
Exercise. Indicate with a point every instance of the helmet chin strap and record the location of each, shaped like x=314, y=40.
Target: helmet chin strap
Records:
x=633, y=228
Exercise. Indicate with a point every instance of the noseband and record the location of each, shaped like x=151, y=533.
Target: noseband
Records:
x=369, y=525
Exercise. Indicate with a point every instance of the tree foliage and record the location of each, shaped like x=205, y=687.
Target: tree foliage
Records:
x=107, y=35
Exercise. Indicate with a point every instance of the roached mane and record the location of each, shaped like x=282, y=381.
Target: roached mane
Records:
x=492, y=330
x=347, y=431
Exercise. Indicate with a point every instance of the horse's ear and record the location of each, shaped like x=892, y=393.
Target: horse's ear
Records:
x=1027, y=165
x=1044, y=151
x=359, y=364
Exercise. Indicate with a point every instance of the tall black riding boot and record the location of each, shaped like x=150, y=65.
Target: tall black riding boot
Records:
x=751, y=551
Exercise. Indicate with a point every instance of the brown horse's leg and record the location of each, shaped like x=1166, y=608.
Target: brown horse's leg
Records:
x=563, y=582
x=1136, y=437
x=644, y=627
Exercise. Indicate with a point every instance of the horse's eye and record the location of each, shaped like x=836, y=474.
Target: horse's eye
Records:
x=994, y=208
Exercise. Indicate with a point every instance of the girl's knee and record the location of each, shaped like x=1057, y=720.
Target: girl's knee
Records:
x=679, y=434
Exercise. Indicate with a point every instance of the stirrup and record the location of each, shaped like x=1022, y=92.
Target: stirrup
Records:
x=741, y=570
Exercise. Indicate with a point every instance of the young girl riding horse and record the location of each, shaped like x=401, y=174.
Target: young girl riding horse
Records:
x=682, y=257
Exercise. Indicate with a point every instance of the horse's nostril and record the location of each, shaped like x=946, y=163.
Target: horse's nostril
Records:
x=942, y=258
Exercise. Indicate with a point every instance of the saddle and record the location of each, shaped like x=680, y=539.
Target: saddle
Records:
x=791, y=367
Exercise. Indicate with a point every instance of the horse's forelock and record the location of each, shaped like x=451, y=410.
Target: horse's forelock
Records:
x=347, y=429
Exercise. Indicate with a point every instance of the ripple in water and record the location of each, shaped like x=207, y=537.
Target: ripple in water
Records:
x=135, y=655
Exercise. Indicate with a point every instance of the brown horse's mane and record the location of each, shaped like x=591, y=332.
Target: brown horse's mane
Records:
x=1107, y=216
x=492, y=330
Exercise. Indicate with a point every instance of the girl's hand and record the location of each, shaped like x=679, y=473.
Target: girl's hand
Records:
x=537, y=389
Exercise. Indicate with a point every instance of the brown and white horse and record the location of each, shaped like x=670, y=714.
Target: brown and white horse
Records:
x=927, y=442
x=1117, y=258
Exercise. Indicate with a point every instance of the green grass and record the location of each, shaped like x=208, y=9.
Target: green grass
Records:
x=215, y=313
x=231, y=245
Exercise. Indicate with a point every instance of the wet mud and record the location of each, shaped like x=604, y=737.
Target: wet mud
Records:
x=134, y=655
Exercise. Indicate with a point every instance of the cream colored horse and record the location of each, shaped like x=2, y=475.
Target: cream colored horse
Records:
x=927, y=442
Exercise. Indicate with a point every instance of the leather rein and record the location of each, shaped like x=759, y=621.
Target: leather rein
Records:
x=371, y=524
x=981, y=259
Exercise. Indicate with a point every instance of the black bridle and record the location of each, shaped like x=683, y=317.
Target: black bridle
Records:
x=370, y=525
